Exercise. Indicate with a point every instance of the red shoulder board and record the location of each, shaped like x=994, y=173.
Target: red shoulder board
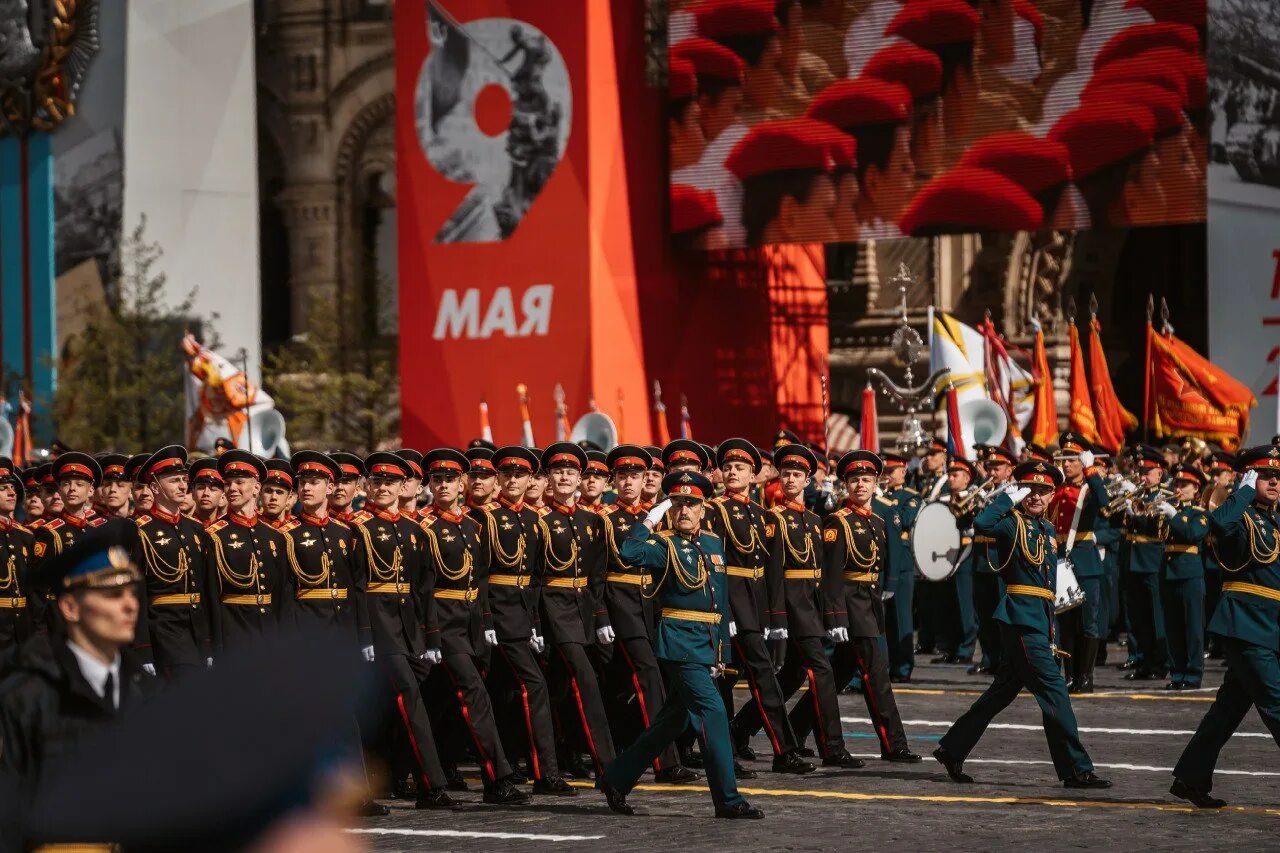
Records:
x=216, y=526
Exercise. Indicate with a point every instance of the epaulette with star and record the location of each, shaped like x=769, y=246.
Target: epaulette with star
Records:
x=842, y=512
x=361, y=516
x=340, y=523
x=37, y=523
x=289, y=525
x=142, y=519
x=216, y=526
x=542, y=510
x=426, y=521
x=97, y=521
x=666, y=534
x=709, y=533
x=20, y=527
x=608, y=509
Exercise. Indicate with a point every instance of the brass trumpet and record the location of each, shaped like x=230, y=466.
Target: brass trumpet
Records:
x=976, y=498
x=1118, y=495
x=1143, y=501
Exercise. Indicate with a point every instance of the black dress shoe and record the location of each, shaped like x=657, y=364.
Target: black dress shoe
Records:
x=518, y=778
x=1199, y=799
x=1129, y=664
x=741, y=772
x=746, y=753
x=553, y=786
x=978, y=669
x=790, y=762
x=901, y=756
x=694, y=759
x=899, y=679
x=453, y=780
x=503, y=793
x=742, y=811
x=1085, y=685
x=945, y=658
x=405, y=789
x=1140, y=675
x=373, y=808
x=955, y=769
x=805, y=752
x=922, y=650
x=576, y=768
x=435, y=798
x=616, y=799
x=1173, y=685
x=843, y=759
x=1086, y=780
x=676, y=776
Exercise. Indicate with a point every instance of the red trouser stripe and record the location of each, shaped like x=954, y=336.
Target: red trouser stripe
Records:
x=820, y=732
x=582, y=711
x=877, y=718
x=635, y=682
x=466, y=716
x=755, y=692
x=413, y=741
x=528, y=715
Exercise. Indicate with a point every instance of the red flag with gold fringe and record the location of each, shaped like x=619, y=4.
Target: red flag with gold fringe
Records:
x=1113, y=419
x=1189, y=396
x=1081, y=417
x=1044, y=420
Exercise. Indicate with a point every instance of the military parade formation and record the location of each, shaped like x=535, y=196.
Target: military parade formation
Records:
x=583, y=613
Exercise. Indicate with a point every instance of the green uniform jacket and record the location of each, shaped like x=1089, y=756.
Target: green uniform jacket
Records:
x=1247, y=545
x=690, y=577
x=1183, y=542
x=1145, y=535
x=898, y=512
x=1019, y=538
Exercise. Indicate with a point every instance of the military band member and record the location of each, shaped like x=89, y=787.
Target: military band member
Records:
x=173, y=636
x=481, y=480
x=245, y=560
x=278, y=496
x=1025, y=547
x=999, y=463
x=350, y=477
x=1182, y=577
x=1082, y=628
x=629, y=590
x=511, y=531
x=958, y=614
x=142, y=499
x=1222, y=471
x=571, y=574
x=689, y=570
x=855, y=551
x=205, y=484
x=1144, y=536
x=413, y=483
x=458, y=614
x=111, y=499
x=397, y=589
x=1246, y=531
x=20, y=602
x=897, y=508
x=932, y=600
x=756, y=602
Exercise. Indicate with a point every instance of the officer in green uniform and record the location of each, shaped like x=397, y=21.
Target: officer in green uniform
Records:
x=1222, y=472
x=692, y=638
x=999, y=462
x=931, y=599
x=1144, y=533
x=1246, y=529
x=897, y=507
x=1182, y=578
x=1025, y=545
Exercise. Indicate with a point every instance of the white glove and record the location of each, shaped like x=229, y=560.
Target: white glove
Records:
x=1166, y=509
x=1249, y=480
x=491, y=638
x=367, y=651
x=1017, y=493
x=733, y=629
x=828, y=486
x=149, y=668
x=1086, y=458
x=432, y=656
x=208, y=663
x=537, y=643
x=885, y=595
x=717, y=670
x=1128, y=487
x=605, y=634
x=655, y=515
x=838, y=635
x=775, y=633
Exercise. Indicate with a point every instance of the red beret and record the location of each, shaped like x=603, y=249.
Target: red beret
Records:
x=1193, y=13
x=709, y=59
x=862, y=102
x=1163, y=104
x=933, y=23
x=1103, y=133
x=1162, y=66
x=908, y=65
x=1031, y=162
x=844, y=149
x=971, y=199
x=1029, y=13
x=1140, y=38
x=682, y=82
x=781, y=146
x=692, y=208
x=1197, y=83
x=729, y=18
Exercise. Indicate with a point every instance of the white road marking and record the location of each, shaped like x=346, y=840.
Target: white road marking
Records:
x=455, y=833
x=1026, y=727
x=1145, y=767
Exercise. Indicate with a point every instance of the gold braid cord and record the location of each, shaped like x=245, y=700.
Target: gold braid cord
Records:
x=746, y=548
x=320, y=579
x=800, y=558
x=50, y=88
x=507, y=561
x=441, y=566
x=159, y=566
x=690, y=581
x=612, y=542
x=10, y=576
x=554, y=562
x=229, y=574
x=862, y=561
x=380, y=569
x=1257, y=553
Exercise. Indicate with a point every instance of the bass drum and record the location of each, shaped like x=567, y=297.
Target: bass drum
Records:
x=935, y=542
x=1069, y=594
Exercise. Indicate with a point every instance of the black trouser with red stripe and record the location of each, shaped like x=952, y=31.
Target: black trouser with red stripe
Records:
x=477, y=713
x=407, y=675
x=806, y=662
x=866, y=658
x=751, y=657
x=636, y=678
x=515, y=671
x=574, y=685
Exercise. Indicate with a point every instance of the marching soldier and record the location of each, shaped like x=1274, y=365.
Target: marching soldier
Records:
x=897, y=508
x=595, y=479
x=206, y=487
x=49, y=491
x=855, y=551
x=141, y=494
x=32, y=503
x=458, y=614
x=397, y=589
x=482, y=479
x=1075, y=507
x=245, y=558
x=999, y=463
x=685, y=454
x=511, y=534
x=652, y=485
x=111, y=500
x=629, y=598
x=19, y=601
x=691, y=639
x=1246, y=531
x=277, y=494
x=931, y=599
x=350, y=473
x=1182, y=578
x=571, y=574
x=1144, y=535
x=958, y=613
x=535, y=495
x=756, y=603
x=173, y=623
x=67, y=514
x=412, y=484
x=1025, y=546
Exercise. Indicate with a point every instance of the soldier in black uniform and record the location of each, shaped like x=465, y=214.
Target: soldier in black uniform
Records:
x=141, y=500
x=412, y=484
x=76, y=475
x=482, y=479
x=350, y=472
x=516, y=682
x=632, y=667
x=111, y=498
x=397, y=589
x=173, y=625
x=932, y=599
x=652, y=478
x=458, y=616
x=19, y=602
x=757, y=602
x=205, y=484
x=855, y=549
x=32, y=503
x=795, y=553
x=595, y=480
x=571, y=573
x=277, y=494
x=245, y=559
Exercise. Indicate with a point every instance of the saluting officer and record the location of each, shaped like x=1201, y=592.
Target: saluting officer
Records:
x=689, y=570
x=277, y=495
x=897, y=508
x=757, y=603
x=458, y=612
x=19, y=601
x=173, y=625
x=1025, y=546
x=245, y=560
x=1246, y=530
x=1182, y=578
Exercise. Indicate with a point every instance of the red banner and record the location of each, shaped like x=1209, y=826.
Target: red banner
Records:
x=1081, y=418
x=1044, y=421
x=1113, y=419
x=1184, y=393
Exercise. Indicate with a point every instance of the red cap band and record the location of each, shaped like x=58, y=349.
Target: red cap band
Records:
x=113, y=471
x=75, y=468
x=317, y=468
x=349, y=469
x=242, y=468
x=633, y=461
x=516, y=461
x=164, y=465
x=685, y=456
x=684, y=490
x=446, y=464
x=564, y=457
x=384, y=468
x=482, y=463
x=804, y=463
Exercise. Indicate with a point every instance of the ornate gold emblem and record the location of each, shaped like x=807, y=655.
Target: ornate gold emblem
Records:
x=47, y=48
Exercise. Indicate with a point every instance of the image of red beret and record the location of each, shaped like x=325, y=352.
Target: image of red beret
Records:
x=1100, y=134
x=971, y=199
x=1164, y=105
x=729, y=18
x=1189, y=12
x=1031, y=162
x=782, y=146
x=844, y=149
x=1161, y=67
x=932, y=23
x=1029, y=13
x=907, y=65
x=682, y=81
x=862, y=102
x=692, y=208
x=709, y=59
x=1141, y=38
